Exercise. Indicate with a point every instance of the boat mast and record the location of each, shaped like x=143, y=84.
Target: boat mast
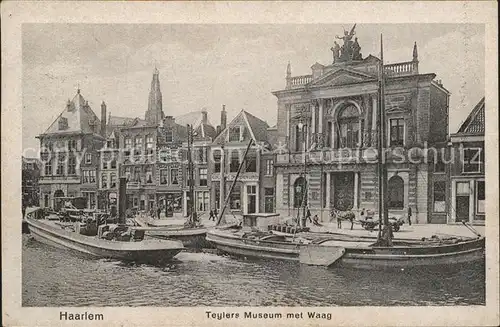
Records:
x=191, y=174
x=382, y=165
x=221, y=214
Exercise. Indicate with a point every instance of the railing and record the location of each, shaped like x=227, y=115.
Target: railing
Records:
x=401, y=69
x=298, y=81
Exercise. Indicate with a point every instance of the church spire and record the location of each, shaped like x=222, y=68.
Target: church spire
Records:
x=155, y=110
x=415, y=53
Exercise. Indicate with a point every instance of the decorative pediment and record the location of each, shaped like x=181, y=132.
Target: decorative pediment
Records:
x=342, y=77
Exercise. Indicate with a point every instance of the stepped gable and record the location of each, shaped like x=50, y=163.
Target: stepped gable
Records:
x=77, y=117
x=474, y=124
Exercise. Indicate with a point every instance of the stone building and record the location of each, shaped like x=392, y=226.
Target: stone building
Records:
x=332, y=114
x=69, y=154
x=467, y=171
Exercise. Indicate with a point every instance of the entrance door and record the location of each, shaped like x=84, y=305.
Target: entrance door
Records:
x=343, y=198
x=252, y=199
x=462, y=201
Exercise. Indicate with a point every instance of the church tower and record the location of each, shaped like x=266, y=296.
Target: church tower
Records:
x=155, y=115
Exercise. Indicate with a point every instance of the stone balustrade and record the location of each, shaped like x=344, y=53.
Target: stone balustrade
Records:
x=298, y=81
x=401, y=69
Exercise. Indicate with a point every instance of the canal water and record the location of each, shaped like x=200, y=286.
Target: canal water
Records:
x=58, y=277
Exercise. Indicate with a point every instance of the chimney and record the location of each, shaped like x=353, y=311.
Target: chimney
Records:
x=103, y=119
x=223, y=118
x=204, y=116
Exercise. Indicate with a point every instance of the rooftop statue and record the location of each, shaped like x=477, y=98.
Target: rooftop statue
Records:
x=350, y=50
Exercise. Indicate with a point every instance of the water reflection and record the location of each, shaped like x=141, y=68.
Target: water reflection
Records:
x=58, y=277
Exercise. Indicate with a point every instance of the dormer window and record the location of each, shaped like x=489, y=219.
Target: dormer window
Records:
x=63, y=123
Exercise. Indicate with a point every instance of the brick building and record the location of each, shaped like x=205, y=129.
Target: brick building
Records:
x=69, y=154
x=467, y=171
x=29, y=183
x=255, y=185
x=332, y=113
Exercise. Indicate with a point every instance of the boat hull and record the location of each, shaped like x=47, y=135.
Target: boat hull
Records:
x=146, y=251
x=358, y=255
x=190, y=239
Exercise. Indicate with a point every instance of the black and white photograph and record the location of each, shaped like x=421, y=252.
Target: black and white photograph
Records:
x=255, y=172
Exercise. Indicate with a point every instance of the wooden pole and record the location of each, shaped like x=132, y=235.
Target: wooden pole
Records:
x=122, y=200
x=221, y=214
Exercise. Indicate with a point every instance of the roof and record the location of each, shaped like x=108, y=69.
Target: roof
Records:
x=77, y=117
x=474, y=124
x=256, y=126
x=195, y=119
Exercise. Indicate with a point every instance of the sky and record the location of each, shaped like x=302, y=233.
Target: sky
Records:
x=206, y=66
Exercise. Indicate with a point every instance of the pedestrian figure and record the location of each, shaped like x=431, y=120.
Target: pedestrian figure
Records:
x=215, y=214
x=211, y=215
x=308, y=215
x=409, y=216
x=158, y=211
x=315, y=221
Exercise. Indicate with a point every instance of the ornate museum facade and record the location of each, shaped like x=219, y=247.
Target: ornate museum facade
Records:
x=332, y=113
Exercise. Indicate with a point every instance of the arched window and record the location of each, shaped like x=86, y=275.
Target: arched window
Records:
x=348, y=121
x=396, y=193
x=300, y=192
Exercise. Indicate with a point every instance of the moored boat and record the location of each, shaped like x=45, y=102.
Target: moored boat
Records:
x=116, y=241
x=339, y=250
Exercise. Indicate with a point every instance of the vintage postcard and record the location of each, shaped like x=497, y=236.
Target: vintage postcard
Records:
x=250, y=163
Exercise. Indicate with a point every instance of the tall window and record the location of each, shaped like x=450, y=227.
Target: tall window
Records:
x=104, y=163
x=472, y=159
x=397, y=132
x=251, y=162
x=112, y=180
x=60, y=166
x=173, y=176
x=137, y=174
x=202, y=154
x=138, y=145
x=203, y=177
x=104, y=181
x=149, y=174
x=269, y=167
x=235, y=198
x=89, y=176
x=128, y=143
x=72, y=145
x=149, y=144
x=71, y=165
x=92, y=176
x=169, y=136
x=234, y=134
x=480, y=197
x=163, y=177
x=300, y=192
x=439, y=196
x=217, y=160
x=235, y=162
x=88, y=158
x=395, y=188
x=48, y=168
x=127, y=173
x=113, y=164
x=349, y=127
x=269, y=199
